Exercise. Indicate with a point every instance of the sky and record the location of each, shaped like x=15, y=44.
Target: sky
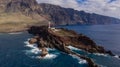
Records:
x=103, y=7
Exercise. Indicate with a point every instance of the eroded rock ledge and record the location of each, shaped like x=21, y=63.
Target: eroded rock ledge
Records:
x=60, y=38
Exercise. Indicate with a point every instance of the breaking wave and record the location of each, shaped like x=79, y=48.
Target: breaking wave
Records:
x=34, y=50
x=72, y=48
x=16, y=33
x=81, y=61
x=116, y=56
x=100, y=54
x=48, y=56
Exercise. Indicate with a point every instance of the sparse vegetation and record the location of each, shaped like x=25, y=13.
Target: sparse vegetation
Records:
x=10, y=22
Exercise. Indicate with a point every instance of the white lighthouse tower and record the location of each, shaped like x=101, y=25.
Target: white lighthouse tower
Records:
x=49, y=25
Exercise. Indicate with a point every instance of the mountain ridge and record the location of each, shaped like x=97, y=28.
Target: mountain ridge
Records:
x=20, y=14
x=75, y=16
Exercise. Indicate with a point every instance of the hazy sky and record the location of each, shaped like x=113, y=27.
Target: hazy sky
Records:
x=103, y=7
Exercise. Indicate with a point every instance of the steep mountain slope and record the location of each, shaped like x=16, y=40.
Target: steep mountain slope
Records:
x=61, y=15
x=16, y=15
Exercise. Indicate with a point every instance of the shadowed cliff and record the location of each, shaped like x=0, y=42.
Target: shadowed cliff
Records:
x=21, y=14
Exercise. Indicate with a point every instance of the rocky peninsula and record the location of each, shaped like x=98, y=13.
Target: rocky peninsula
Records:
x=60, y=38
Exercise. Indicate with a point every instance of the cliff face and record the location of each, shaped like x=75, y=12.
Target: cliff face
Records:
x=18, y=5
x=25, y=6
x=63, y=16
x=23, y=13
x=54, y=13
x=16, y=15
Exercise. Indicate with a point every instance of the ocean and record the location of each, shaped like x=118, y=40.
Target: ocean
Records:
x=15, y=51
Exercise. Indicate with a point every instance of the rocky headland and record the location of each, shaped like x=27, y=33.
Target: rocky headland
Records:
x=60, y=38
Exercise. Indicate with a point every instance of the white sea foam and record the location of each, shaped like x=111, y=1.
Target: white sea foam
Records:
x=50, y=49
x=35, y=50
x=16, y=33
x=101, y=54
x=116, y=56
x=30, y=45
x=48, y=56
x=72, y=48
x=81, y=61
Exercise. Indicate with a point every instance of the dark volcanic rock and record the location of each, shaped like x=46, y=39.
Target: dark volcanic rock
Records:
x=32, y=40
x=53, y=38
x=60, y=38
x=44, y=52
x=110, y=52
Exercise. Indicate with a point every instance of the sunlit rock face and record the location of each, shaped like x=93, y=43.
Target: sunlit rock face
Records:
x=21, y=14
x=54, y=13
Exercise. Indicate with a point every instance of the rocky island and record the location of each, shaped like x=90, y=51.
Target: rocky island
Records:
x=60, y=38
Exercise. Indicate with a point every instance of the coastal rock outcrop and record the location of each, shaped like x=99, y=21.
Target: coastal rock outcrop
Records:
x=32, y=40
x=60, y=38
x=53, y=38
x=44, y=52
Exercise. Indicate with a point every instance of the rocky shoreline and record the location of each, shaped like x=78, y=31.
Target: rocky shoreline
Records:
x=60, y=38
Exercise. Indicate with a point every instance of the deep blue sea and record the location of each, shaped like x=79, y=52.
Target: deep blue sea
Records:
x=15, y=51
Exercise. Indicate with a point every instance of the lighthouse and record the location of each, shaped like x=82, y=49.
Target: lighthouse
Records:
x=49, y=25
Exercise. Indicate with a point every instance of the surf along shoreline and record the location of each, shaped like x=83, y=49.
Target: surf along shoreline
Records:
x=63, y=40
x=60, y=38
